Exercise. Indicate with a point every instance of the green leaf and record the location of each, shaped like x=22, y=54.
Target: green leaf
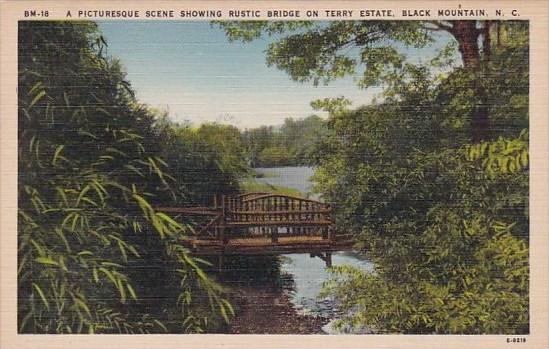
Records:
x=35, y=87
x=46, y=260
x=37, y=98
x=95, y=275
x=86, y=133
x=131, y=290
x=228, y=305
x=168, y=219
x=161, y=325
x=135, y=170
x=121, y=290
x=61, y=234
x=78, y=302
x=109, y=275
x=56, y=155
x=40, y=249
x=42, y=296
x=66, y=99
x=145, y=206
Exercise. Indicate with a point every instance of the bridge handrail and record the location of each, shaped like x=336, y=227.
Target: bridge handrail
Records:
x=250, y=194
x=269, y=195
x=251, y=210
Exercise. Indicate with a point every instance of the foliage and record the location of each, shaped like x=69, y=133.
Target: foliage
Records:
x=373, y=52
x=251, y=186
x=505, y=80
x=223, y=155
x=92, y=248
x=448, y=233
x=206, y=160
x=289, y=145
x=444, y=221
x=323, y=51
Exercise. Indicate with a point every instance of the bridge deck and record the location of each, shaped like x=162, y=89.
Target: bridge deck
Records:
x=264, y=245
x=277, y=223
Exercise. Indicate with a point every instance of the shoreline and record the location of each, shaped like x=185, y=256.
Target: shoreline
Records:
x=268, y=311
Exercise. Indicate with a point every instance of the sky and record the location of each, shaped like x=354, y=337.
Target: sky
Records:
x=190, y=69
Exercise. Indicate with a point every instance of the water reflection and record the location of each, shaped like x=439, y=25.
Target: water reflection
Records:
x=309, y=274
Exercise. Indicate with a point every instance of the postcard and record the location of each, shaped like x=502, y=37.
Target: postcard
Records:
x=274, y=174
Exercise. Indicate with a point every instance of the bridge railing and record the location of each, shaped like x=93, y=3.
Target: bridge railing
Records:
x=274, y=215
x=268, y=215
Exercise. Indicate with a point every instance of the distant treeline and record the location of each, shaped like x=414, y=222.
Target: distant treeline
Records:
x=288, y=145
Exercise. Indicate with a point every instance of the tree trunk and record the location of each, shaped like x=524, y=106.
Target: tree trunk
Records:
x=486, y=40
x=467, y=35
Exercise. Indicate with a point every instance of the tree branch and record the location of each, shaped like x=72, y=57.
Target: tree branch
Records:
x=439, y=25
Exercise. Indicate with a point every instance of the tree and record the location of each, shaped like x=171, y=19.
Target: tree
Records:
x=321, y=52
x=447, y=231
x=92, y=250
x=290, y=144
x=226, y=141
x=444, y=221
x=205, y=161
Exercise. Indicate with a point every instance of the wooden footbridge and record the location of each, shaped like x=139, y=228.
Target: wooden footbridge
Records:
x=262, y=224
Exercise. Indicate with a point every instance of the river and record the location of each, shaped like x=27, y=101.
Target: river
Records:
x=299, y=277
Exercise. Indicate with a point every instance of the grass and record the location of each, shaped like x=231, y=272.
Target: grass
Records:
x=250, y=186
x=266, y=174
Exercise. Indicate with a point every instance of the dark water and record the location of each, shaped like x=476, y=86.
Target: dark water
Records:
x=308, y=273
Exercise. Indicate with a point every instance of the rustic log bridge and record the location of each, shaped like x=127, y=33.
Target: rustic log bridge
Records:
x=264, y=224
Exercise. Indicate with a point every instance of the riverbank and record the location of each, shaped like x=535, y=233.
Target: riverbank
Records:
x=269, y=311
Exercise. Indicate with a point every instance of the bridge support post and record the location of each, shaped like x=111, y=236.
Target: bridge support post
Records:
x=224, y=235
x=221, y=235
x=221, y=264
x=328, y=259
x=274, y=234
